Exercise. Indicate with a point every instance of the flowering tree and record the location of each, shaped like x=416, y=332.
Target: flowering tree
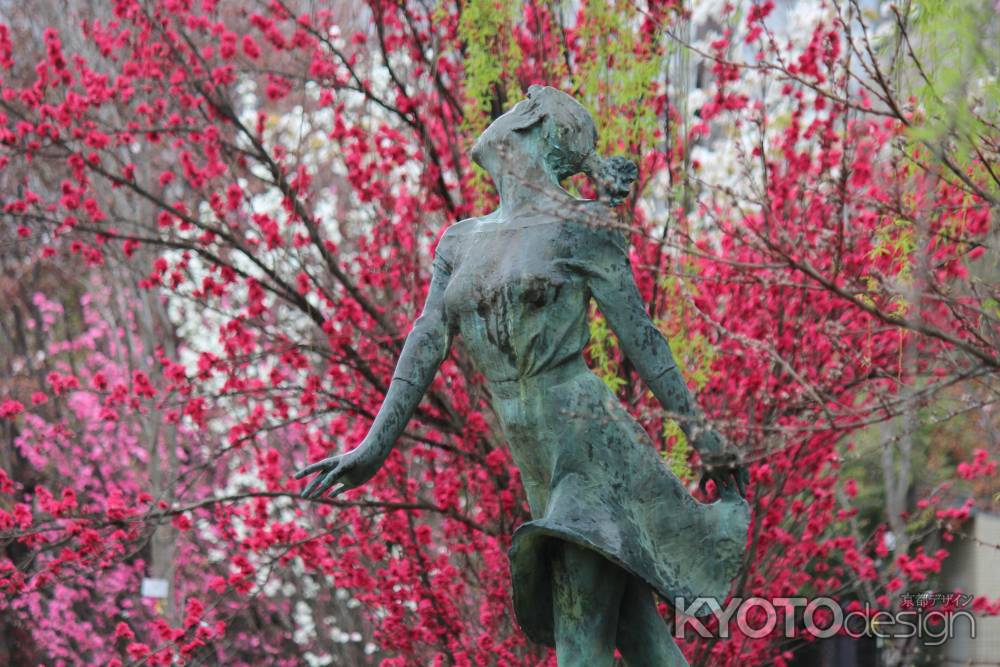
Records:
x=217, y=224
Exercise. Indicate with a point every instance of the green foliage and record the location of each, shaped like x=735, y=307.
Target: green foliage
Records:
x=896, y=239
x=678, y=455
x=693, y=352
x=613, y=74
x=617, y=75
x=491, y=56
x=953, y=76
x=602, y=350
x=694, y=355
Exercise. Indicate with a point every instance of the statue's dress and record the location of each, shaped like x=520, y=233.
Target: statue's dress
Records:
x=518, y=293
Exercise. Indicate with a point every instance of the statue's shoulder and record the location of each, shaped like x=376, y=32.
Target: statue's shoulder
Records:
x=458, y=232
x=449, y=247
x=464, y=227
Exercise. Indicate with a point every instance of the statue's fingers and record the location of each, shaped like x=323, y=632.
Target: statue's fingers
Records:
x=329, y=479
x=338, y=489
x=307, y=492
x=309, y=469
x=315, y=487
x=321, y=484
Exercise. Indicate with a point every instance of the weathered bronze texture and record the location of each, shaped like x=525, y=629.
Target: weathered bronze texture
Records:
x=611, y=523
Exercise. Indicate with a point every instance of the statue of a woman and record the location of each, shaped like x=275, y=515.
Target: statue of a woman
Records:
x=611, y=524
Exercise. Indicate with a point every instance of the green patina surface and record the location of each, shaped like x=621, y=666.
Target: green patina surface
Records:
x=611, y=522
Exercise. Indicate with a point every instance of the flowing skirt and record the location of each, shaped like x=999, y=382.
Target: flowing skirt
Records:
x=593, y=478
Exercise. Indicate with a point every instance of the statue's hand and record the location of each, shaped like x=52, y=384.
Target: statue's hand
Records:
x=347, y=471
x=726, y=478
x=721, y=464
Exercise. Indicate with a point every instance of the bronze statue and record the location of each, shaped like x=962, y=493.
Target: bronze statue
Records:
x=611, y=524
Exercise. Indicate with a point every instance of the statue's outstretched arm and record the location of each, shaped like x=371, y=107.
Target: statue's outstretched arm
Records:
x=425, y=348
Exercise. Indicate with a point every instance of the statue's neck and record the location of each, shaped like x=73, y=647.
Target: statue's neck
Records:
x=528, y=189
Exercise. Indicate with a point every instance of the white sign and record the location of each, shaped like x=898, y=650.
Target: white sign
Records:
x=155, y=588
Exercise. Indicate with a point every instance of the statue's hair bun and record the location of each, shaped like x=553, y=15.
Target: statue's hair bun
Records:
x=614, y=177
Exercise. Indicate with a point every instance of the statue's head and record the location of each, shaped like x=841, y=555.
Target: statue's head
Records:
x=560, y=132
x=557, y=132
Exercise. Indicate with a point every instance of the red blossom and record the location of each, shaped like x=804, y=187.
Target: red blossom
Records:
x=279, y=211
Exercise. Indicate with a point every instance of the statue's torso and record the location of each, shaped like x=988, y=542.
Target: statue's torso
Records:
x=518, y=294
x=515, y=298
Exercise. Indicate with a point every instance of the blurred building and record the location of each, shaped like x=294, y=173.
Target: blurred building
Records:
x=974, y=567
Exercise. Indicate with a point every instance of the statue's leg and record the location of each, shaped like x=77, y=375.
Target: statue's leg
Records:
x=643, y=638
x=587, y=591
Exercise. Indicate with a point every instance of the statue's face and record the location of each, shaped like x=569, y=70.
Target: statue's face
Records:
x=494, y=137
x=565, y=135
